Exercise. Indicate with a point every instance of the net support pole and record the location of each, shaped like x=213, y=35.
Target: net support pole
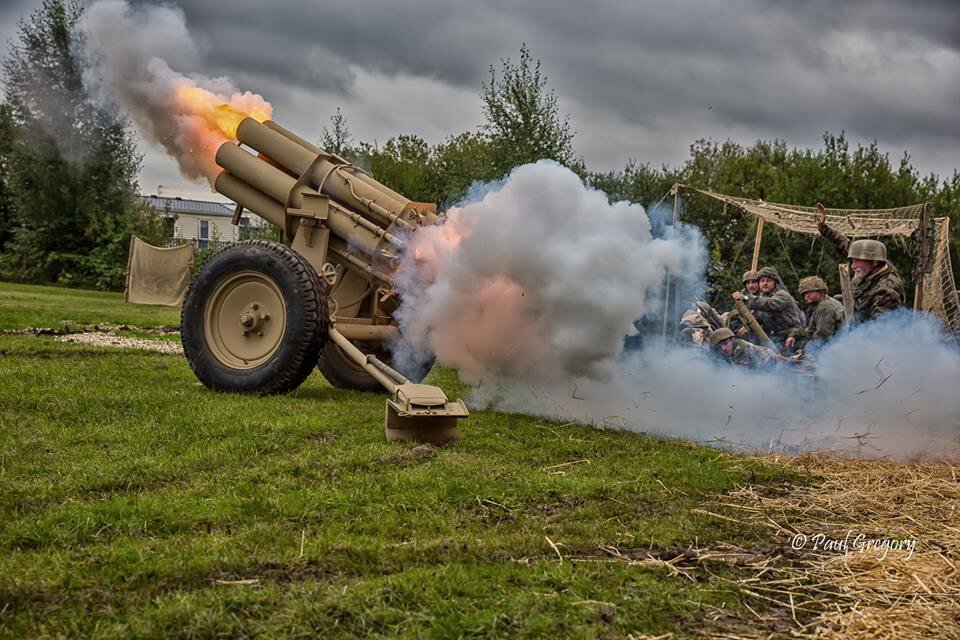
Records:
x=924, y=257
x=847, y=290
x=666, y=293
x=756, y=244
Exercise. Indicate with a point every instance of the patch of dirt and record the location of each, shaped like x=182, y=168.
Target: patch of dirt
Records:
x=419, y=453
x=70, y=329
x=58, y=355
x=563, y=504
x=118, y=486
x=13, y=599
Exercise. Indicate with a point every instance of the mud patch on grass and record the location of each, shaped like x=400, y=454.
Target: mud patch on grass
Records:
x=322, y=437
x=69, y=328
x=416, y=455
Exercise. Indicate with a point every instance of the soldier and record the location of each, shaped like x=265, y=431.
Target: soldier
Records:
x=775, y=309
x=824, y=315
x=698, y=322
x=741, y=352
x=694, y=328
x=751, y=283
x=751, y=287
x=877, y=287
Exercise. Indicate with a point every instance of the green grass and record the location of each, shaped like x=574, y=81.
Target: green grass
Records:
x=135, y=503
x=28, y=306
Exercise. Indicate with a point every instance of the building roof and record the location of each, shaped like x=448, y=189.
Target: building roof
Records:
x=165, y=206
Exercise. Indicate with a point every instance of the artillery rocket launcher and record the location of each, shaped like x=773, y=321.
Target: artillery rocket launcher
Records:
x=259, y=316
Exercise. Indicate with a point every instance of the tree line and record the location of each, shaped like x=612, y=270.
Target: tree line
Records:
x=69, y=166
x=68, y=187
x=523, y=124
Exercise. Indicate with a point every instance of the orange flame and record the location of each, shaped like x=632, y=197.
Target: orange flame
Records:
x=205, y=120
x=221, y=114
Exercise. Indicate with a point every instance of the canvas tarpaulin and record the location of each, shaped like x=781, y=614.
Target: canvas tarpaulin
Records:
x=157, y=275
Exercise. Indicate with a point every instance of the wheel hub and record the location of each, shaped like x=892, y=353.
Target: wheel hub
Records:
x=245, y=319
x=252, y=319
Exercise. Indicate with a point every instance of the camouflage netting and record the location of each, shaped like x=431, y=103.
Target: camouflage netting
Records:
x=940, y=292
x=157, y=275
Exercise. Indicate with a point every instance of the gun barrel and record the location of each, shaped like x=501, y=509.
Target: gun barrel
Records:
x=315, y=150
x=751, y=321
x=268, y=183
x=341, y=181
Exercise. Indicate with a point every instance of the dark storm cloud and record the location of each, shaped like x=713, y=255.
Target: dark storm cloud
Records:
x=642, y=79
x=780, y=68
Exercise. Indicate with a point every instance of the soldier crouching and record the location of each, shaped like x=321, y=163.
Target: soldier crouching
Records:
x=742, y=353
x=824, y=316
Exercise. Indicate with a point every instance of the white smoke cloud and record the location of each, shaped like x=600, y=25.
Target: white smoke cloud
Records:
x=129, y=52
x=530, y=290
x=540, y=278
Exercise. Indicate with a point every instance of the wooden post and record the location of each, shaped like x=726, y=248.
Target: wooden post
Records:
x=847, y=290
x=924, y=257
x=666, y=293
x=756, y=244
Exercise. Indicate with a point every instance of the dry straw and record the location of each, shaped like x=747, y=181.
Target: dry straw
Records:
x=906, y=584
x=867, y=590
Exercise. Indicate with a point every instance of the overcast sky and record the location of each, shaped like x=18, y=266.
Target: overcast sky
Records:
x=640, y=80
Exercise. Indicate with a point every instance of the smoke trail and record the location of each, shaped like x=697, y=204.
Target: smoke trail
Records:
x=530, y=290
x=129, y=51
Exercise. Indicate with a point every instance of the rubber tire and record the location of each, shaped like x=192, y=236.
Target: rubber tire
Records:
x=342, y=373
x=305, y=303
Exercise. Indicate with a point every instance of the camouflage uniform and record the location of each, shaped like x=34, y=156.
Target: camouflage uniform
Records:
x=694, y=328
x=876, y=293
x=778, y=312
x=824, y=319
x=753, y=356
x=735, y=322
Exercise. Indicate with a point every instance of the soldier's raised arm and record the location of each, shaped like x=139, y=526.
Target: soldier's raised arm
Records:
x=839, y=241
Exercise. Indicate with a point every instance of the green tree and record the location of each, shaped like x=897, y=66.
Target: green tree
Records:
x=838, y=176
x=457, y=163
x=639, y=183
x=7, y=217
x=522, y=117
x=338, y=139
x=403, y=164
x=73, y=165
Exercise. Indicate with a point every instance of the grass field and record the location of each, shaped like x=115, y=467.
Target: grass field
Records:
x=135, y=503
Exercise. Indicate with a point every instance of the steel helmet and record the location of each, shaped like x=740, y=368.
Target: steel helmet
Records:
x=769, y=272
x=811, y=283
x=750, y=275
x=866, y=249
x=719, y=336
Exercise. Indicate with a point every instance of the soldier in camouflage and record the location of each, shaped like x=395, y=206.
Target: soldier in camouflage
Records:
x=824, y=316
x=751, y=283
x=751, y=287
x=877, y=286
x=742, y=353
x=775, y=309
